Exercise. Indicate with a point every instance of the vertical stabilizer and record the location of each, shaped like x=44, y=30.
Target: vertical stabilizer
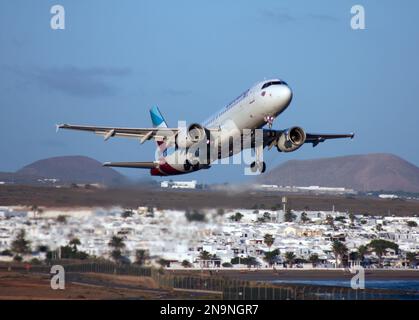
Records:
x=158, y=122
x=157, y=118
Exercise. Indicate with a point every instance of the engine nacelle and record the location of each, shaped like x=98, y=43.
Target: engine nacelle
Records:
x=194, y=134
x=291, y=140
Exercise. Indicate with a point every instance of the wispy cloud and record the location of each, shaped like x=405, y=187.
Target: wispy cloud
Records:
x=75, y=81
x=322, y=17
x=281, y=16
x=277, y=16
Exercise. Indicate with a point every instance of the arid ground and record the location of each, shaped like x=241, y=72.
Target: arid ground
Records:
x=184, y=199
x=29, y=286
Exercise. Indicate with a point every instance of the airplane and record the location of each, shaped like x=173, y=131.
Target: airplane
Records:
x=244, y=118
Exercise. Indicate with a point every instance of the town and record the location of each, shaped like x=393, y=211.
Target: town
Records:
x=217, y=238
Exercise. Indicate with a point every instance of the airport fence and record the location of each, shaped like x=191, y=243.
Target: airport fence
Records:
x=228, y=288
x=302, y=292
x=109, y=268
x=202, y=283
x=83, y=267
x=236, y=289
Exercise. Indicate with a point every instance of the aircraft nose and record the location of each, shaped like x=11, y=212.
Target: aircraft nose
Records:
x=284, y=94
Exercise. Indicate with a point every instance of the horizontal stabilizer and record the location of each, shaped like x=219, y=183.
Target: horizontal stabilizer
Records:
x=139, y=165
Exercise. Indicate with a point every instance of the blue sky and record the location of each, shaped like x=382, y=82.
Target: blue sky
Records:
x=115, y=59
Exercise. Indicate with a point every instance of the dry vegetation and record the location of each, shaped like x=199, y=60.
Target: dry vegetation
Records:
x=172, y=199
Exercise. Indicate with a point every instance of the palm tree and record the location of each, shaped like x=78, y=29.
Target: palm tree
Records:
x=379, y=246
x=290, y=257
x=314, y=259
x=62, y=219
x=362, y=251
x=75, y=242
x=329, y=220
x=339, y=250
x=141, y=256
x=186, y=264
x=43, y=248
x=116, y=254
x=266, y=216
x=127, y=213
x=304, y=217
x=20, y=245
x=353, y=256
x=236, y=217
x=36, y=210
x=163, y=262
x=411, y=257
x=205, y=256
x=116, y=243
x=270, y=257
x=269, y=240
x=412, y=224
x=289, y=216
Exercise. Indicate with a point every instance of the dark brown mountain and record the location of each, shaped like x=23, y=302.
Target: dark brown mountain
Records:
x=68, y=169
x=371, y=172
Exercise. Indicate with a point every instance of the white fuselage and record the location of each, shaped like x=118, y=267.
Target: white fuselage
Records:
x=248, y=111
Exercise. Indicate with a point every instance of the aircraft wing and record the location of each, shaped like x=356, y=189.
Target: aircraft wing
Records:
x=270, y=136
x=138, y=165
x=316, y=138
x=143, y=134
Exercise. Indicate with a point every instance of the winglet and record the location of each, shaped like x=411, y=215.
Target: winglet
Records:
x=60, y=126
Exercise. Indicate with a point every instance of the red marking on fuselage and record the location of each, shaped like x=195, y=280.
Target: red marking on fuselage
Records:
x=155, y=172
x=164, y=169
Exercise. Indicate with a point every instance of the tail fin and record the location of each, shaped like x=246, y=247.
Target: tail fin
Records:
x=158, y=122
x=157, y=118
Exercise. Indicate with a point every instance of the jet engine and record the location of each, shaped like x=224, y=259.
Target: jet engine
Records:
x=291, y=139
x=194, y=134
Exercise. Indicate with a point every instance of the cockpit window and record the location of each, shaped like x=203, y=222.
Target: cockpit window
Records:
x=271, y=83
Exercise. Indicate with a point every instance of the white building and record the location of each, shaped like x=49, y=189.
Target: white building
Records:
x=388, y=196
x=168, y=235
x=179, y=184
